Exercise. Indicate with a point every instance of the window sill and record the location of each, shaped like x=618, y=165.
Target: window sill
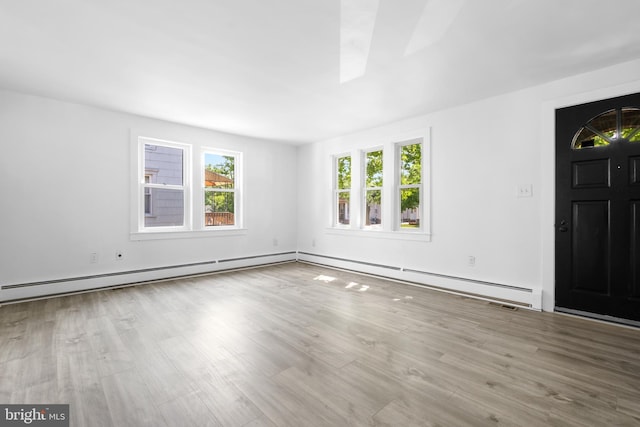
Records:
x=418, y=236
x=165, y=235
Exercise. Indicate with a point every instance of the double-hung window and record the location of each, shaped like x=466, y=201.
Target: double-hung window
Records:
x=410, y=184
x=164, y=182
x=220, y=188
x=181, y=191
x=388, y=196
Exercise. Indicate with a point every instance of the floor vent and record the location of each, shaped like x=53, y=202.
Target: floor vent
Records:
x=504, y=306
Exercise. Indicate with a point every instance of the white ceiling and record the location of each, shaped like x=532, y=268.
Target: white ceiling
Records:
x=272, y=68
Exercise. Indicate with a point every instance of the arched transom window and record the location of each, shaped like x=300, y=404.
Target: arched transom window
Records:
x=609, y=127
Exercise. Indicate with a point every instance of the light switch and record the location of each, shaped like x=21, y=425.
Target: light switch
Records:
x=525, y=190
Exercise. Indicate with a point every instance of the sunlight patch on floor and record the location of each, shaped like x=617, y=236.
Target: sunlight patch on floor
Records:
x=325, y=279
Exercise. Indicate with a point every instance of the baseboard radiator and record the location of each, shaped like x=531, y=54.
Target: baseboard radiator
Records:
x=56, y=287
x=497, y=292
x=501, y=293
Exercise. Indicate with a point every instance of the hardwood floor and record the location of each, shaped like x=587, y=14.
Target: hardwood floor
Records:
x=300, y=345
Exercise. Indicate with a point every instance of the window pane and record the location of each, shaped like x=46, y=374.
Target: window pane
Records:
x=147, y=196
x=219, y=208
x=219, y=171
x=373, y=215
x=631, y=124
x=374, y=169
x=166, y=208
x=344, y=172
x=410, y=208
x=167, y=161
x=585, y=138
x=411, y=164
x=343, y=207
x=606, y=123
x=147, y=201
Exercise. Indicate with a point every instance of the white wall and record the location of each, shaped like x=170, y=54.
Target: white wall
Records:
x=481, y=152
x=65, y=181
x=64, y=189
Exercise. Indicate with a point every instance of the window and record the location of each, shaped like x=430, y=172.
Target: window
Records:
x=166, y=202
x=389, y=195
x=164, y=185
x=219, y=189
x=410, y=184
x=609, y=127
x=343, y=189
x=373, y=189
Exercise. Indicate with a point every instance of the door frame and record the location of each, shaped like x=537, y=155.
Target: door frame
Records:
x=548, y=180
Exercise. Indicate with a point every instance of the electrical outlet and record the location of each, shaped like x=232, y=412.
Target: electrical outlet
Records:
x=471, y=261
x=119, y=255
x=93, y=258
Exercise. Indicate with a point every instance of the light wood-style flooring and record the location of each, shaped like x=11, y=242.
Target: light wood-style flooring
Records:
x=301, y=345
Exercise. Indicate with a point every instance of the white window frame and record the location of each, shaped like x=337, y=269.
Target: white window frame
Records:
x=143, y=186
x=193, y=204
x=399, y=186
x=237, y=189
x=391, y=228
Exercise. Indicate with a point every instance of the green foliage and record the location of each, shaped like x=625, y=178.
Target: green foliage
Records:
x=222, y=201
x=409, y=198
x=344, y=173
x=599, y=141
x=373, y=178
x=374, y=169
x=410, y=174
x=591, y=139
x=631, y=133
x=226, y=168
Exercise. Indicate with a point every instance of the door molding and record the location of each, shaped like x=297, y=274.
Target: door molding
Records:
x=596, y=191
x=548, y=180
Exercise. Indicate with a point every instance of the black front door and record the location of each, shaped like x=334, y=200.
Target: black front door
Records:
x=598, y=207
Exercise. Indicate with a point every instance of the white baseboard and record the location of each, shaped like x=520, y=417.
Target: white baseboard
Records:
x=521, y=297
x=56, y=287
x=505, y=294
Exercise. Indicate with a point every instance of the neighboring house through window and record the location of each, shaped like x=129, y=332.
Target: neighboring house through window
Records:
x=148, y=192
x=164, y=195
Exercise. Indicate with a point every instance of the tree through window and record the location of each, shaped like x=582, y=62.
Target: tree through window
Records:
x=219, y=190
x=622, y=124
x=410, y=188
x=373, y=188
x=382, y=190
x=343, y=189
